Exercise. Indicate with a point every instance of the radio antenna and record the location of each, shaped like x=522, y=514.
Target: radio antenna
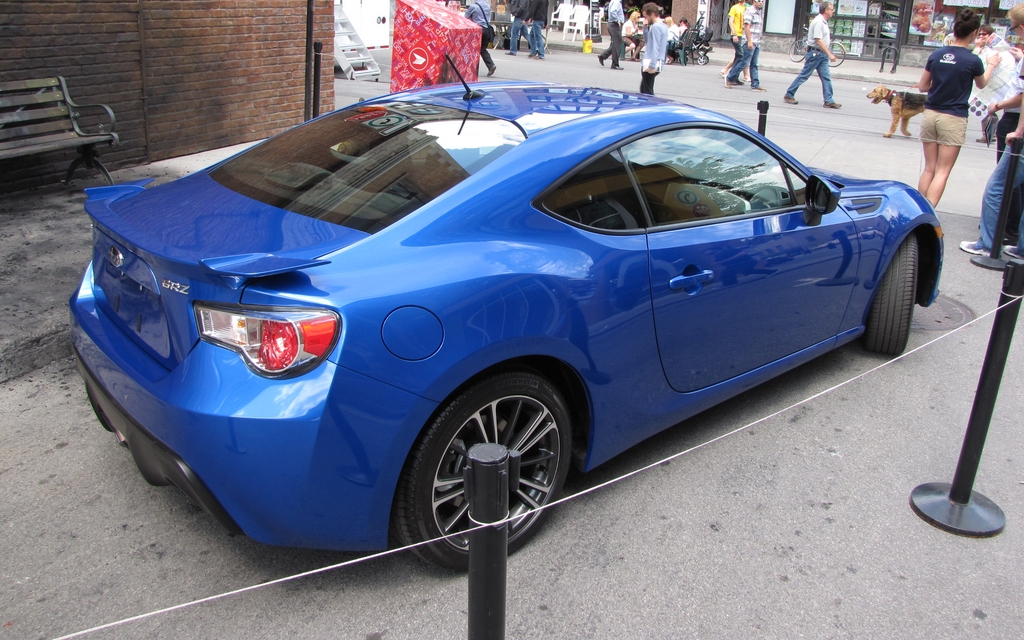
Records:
x=471, y=94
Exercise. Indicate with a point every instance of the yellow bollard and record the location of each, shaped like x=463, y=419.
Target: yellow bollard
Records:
x=588, y=45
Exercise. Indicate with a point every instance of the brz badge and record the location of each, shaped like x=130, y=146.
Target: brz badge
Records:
x=174, y=286
x=114, y=257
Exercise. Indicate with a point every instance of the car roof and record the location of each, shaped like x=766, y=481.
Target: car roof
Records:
x=539, y=106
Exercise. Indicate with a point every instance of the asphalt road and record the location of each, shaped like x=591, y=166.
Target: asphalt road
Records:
x=795, y=526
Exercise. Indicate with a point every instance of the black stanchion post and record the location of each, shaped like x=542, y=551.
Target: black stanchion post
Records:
x=487, y=476
x=956, y=507
x=993, y=260
x=318, y=61
x=762, y=118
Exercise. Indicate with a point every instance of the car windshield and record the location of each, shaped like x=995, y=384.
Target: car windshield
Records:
x=369, y=166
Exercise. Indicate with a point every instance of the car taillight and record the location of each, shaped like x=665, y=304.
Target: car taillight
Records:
x=272, y=341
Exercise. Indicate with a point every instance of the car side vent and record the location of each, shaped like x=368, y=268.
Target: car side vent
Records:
x=863, y=205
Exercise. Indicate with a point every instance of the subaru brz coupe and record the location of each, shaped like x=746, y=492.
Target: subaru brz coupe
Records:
x=308, y=337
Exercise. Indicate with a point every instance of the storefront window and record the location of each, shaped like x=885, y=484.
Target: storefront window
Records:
x=932, y=20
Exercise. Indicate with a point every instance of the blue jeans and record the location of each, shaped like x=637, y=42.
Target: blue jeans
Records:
x=755, y=73
x=738, y=67
x=815, y=60
x=537, y=39
x=737, y=49
x=518, y=29
x=990, y=205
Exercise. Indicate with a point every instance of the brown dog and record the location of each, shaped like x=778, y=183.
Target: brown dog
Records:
x=904, y=104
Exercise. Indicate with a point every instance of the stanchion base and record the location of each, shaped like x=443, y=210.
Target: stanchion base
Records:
x=986, y=262
x=979, y=518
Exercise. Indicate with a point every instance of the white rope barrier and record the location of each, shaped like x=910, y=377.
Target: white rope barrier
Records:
x=552, y=504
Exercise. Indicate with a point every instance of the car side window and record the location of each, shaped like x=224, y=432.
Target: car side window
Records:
x=600, y=195
x=698, y=174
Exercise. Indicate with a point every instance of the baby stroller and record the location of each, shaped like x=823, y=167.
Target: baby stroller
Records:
x=695, y=44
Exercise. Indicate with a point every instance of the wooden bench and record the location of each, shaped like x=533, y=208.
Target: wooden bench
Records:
x=37, y=116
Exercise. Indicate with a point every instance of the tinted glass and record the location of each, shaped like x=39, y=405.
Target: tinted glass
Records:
x=368, y=167
x=700, y=174
x=600, y=195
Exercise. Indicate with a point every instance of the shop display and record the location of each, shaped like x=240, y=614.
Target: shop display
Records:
x=921, y=17
x=942, y=25
x=863, y=26
x=870, y=27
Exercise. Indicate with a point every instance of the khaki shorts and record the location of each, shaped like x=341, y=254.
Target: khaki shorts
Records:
x=943, y=128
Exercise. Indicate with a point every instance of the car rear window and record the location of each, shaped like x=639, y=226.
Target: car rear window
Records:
x=368, y=167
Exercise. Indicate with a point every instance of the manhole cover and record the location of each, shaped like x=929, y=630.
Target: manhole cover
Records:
x=945, y=314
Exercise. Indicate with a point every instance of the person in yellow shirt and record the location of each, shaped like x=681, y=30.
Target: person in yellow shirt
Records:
x=735, y=24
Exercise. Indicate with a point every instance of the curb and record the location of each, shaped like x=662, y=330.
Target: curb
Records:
x=840, y=75
x=881, y=77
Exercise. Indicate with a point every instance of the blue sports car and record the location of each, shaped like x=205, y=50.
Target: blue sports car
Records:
x=307, y=338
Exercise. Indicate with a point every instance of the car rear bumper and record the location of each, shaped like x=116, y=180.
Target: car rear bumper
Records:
x=158, y=464
x=310, y=461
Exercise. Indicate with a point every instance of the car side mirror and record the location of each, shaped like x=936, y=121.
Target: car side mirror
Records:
x=821, y=198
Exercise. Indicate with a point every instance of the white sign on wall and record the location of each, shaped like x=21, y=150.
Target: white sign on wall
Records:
x=779, y=16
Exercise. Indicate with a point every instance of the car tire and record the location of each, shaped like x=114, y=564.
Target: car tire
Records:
x=429, y=501
x=888, y=324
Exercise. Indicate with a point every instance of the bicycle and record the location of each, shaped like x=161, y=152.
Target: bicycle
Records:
x=798, y=51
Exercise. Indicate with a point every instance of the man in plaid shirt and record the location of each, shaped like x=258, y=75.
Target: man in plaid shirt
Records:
x=751, y=48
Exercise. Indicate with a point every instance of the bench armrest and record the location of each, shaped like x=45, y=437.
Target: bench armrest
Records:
x=103, y=128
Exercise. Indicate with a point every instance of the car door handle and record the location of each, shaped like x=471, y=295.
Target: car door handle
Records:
x=680, y=282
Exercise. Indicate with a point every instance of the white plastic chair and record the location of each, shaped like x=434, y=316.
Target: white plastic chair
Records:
x=578, y=22
x=562, y=14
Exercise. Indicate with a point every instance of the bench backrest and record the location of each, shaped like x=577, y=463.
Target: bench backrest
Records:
x=31, y=110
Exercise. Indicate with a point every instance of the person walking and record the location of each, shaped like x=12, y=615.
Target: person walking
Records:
x=992, y=200
x=947, y=78
x=817, y=58
x=480, y=13
x=518, y=9
x=615, y=19
x=752, y=21
x=735, y=24
x=537, y=15
x=656, y=39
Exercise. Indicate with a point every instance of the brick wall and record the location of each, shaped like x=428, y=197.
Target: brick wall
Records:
x=181, y=75
x=685, y=9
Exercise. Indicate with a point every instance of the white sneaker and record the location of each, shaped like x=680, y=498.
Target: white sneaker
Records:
x=1011, y=251
x=973, y=248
